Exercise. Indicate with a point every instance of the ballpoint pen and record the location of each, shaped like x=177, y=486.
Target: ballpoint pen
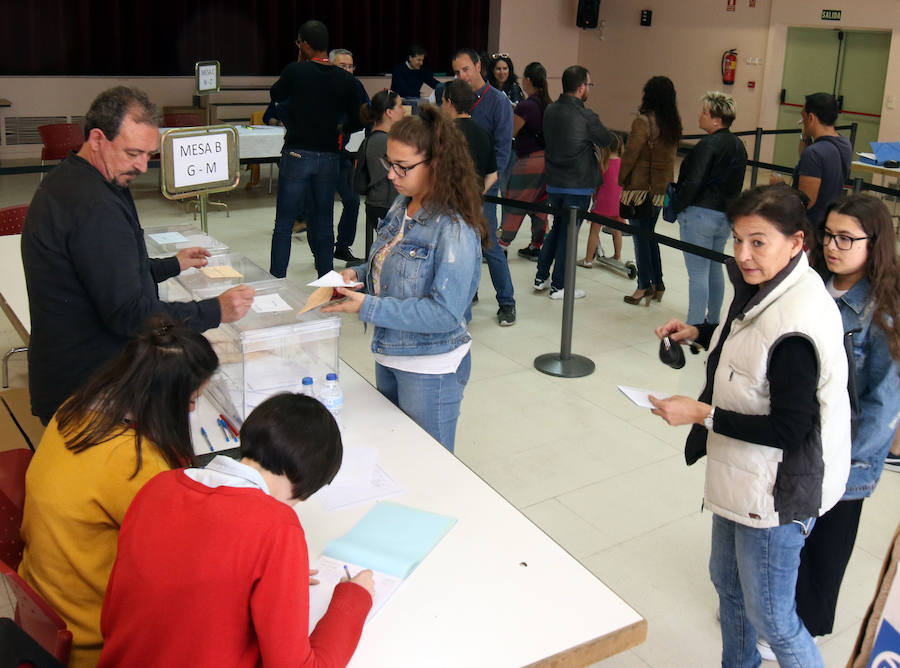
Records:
x=347, y=571
x=206, y=438
x=224, y=428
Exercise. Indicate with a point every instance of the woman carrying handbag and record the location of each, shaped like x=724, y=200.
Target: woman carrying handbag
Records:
x=647, y=167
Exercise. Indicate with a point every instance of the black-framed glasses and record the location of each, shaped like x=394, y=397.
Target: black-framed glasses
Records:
x=399, y=170
x=842, y=241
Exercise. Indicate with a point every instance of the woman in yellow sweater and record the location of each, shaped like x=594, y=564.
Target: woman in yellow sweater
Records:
x=125, y=425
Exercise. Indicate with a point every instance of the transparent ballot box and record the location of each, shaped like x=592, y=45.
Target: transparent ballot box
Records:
x=221, y=272
x=272, y=348
x=166, y=240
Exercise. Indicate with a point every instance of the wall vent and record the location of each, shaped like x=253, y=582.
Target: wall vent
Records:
x=22, y=130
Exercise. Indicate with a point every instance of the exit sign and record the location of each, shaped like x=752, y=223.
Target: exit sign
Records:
x=831, y=14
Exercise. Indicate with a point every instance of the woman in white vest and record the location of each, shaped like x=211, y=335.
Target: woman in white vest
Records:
x=774, y=422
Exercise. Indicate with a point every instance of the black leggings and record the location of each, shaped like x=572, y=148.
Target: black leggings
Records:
x=823, y=561
x=373, y=215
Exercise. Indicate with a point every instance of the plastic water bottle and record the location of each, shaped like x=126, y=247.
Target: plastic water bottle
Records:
x=306, y=387
x=332, y=397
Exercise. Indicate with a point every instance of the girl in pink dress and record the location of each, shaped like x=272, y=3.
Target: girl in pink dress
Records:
x=606, y=203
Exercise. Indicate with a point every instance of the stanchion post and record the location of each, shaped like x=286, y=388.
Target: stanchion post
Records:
x=853, y=128
x=754, y=173
x=564, y=363
x=857, y=184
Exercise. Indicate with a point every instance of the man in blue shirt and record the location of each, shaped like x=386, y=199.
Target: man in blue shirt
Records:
x=492, y=112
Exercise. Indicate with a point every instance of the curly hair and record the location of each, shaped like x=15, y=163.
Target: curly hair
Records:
x=659, y=99
x=882, y=265
x=455, y=187
x=492, y=79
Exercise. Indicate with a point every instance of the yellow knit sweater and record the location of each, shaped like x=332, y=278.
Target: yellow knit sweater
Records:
x=74, y=505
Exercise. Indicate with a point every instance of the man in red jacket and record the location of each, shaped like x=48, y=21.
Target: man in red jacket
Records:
x=212, y=566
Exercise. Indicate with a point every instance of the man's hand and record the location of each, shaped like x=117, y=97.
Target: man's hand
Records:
x=236, y=302
x=192, y=257
x=677, y=331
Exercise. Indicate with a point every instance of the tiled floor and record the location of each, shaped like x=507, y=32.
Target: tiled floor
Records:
x=605, y=479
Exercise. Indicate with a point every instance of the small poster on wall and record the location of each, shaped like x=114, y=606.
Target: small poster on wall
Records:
x=732, y=5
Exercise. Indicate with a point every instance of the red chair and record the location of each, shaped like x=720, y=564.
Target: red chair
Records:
x=12, y=218
x=38, y=619
x=183, y=120
x=59, y=139
x=13, y=464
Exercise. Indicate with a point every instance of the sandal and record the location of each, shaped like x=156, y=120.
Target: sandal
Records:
x=587, y=264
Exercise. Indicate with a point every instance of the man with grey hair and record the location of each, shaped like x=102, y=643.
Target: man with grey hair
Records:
x=346, y=233
x=90, y=282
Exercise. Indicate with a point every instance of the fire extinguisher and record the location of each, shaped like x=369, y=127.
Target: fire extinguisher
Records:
x=729, y=65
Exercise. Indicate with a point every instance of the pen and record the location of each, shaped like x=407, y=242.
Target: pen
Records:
x=221, y=424
x=347, y=571
x=206, y=437
x=229, y=425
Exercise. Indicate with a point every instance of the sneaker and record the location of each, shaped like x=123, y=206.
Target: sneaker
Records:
x=530, y=252
x=541, y=285
x=347, y=256
x=506, y=315
x=765, y=650
x=892, y=462
x=299, y=226
x=558, y=294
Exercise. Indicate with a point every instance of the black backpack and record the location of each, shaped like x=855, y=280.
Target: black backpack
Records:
x=360, y=178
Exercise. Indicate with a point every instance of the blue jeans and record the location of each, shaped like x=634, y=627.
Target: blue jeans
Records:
x=431, y=400
x=554, y=249
x=496, y=260
x=754, y=572
x=304, y=173
x=706, y=280
x=646, y=253
x=347, y=225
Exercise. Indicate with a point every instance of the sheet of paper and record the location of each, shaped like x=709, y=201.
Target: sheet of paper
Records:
x=330, y=573
x=391, y=538
x=273, y=373
x=380, y=486
x=870, y=156
x=273, y=303
x=355, y=141
x=639, y=396
x=332, y=280
x=221, y=271
x=168, y=237
x=357, y=467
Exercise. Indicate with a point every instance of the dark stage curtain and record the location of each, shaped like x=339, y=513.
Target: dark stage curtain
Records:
x=249, y=37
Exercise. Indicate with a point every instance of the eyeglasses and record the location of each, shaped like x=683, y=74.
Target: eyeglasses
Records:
x=500, y=54
x=399, y=170
x=842, y=241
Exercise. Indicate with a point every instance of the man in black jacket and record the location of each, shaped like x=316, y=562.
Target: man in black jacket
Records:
x=571, y=131
x=90, y=283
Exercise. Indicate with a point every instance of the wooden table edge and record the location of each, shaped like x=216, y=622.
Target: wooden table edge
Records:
x=597, y=649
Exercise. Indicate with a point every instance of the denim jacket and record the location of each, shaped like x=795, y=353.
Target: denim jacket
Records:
x=878, y=390
x=427, y=283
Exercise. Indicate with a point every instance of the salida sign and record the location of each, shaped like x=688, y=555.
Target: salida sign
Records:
x=199, y=160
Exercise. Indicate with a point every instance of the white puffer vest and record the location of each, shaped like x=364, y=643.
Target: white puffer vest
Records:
x=742, y=478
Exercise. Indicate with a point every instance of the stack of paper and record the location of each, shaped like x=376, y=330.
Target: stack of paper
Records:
x=359, y=480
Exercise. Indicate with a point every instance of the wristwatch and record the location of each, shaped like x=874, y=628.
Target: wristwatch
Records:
x=708, y=420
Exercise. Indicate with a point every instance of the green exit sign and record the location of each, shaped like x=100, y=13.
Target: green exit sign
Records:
x=831, y=14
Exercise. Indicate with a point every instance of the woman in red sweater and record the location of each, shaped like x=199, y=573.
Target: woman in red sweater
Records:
x=212, y=563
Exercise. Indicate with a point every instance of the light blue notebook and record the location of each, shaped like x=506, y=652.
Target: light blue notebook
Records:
x=391, y=538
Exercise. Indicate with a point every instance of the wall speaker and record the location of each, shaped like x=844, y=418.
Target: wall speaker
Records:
x=588, y=13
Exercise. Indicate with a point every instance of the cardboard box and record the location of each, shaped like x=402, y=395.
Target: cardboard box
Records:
x=18, y=427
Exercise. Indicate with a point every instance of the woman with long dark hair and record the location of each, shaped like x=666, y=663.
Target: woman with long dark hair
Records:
x=526, y=180
x=863, y=277
x=122, y=427
x=647, y=167
x=422, y=273
x=385, y=109
x=502, y=75
x=773, y=421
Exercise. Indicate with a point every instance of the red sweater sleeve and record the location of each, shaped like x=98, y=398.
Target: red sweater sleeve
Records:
x=279, y=607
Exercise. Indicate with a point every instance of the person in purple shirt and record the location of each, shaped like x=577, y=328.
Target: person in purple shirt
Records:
x=493, y=112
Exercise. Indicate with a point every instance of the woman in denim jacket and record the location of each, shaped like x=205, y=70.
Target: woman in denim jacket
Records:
x=422, y=272
x=864, y=278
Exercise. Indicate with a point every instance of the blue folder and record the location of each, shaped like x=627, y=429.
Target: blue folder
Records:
x=884, y=151
x=391, y=538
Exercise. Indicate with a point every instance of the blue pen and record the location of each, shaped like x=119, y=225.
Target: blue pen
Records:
x=206, y=437
x=347, y=571
x=224, y=427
